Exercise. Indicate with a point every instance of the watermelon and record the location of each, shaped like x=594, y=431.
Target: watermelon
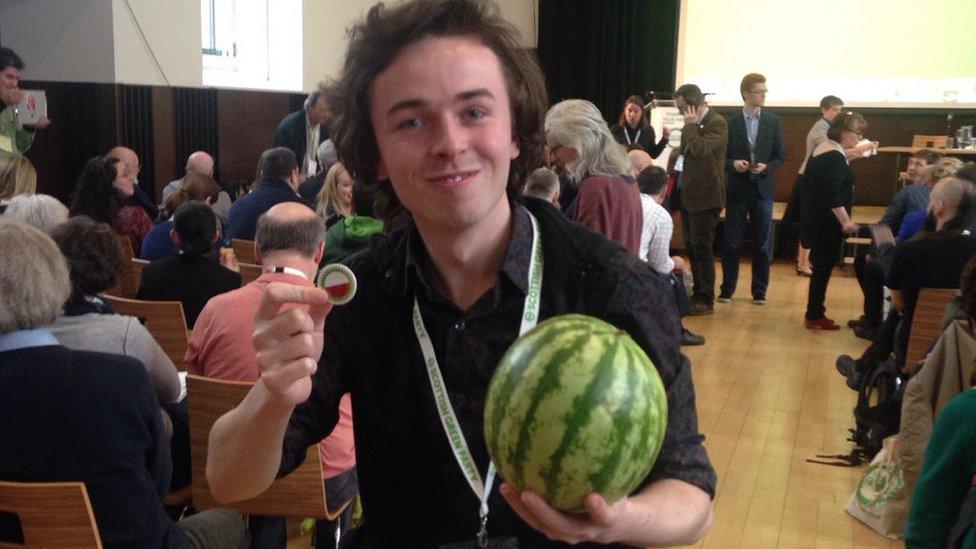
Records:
x=575, y=406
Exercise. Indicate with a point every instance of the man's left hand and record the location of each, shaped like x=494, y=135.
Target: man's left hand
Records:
x=758, y=168
x=43, y=123
x=603, y=523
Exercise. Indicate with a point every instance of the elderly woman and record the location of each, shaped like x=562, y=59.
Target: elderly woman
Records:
x=828, y=194
x=334, y=201
x=634, y=132
x=37, y=210
x=581, y=144
x=17, y=177
x=100, y=194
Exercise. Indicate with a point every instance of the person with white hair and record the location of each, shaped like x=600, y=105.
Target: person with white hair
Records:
x=543, y=184
x=37, y=210
x=310, y=188
x=580, y=142
x=200, y=162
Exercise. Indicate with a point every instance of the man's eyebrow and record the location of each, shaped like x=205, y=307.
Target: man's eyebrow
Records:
x=419, y=103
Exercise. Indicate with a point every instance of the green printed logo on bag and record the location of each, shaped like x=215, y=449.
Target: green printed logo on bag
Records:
x=881, y=481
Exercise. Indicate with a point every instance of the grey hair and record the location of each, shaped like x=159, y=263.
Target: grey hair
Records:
x=578, y=124
x=302, y=236
x=34, y=282
x=541, y=183
x=326, y=154
x=38, y=210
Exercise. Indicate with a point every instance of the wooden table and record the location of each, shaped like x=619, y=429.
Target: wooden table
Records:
x=913, y=150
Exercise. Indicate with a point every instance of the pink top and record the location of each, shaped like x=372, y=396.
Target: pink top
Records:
x=611, y=206
x=221, y=348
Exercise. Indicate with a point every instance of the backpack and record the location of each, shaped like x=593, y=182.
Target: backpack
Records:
x=877, y=414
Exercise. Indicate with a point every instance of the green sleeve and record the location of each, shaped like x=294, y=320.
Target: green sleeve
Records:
x=950, y=461
x=24, y=139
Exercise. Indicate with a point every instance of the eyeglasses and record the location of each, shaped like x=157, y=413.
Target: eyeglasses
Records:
x=554, y=148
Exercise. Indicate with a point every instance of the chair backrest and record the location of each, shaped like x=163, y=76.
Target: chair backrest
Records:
x=249, y=272
x=137, y=265
x=299, y=494
x=930, y=141
x=52, y=514
x=128, y=282
x=244, y=250
x=163, y=319
x=927, y=321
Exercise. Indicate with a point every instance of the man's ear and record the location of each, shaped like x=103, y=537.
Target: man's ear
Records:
x=257, y=254
x=173, y=236
x=319, y=253
x=515, y=149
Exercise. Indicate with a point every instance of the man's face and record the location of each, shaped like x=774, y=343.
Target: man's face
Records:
x=123, y=183
x=9, y=78
x=442, y=118
x=755, y=96
x=632, y=113
x=680, y=103
x=915, y=164
x=318, y=113
x=832, y=112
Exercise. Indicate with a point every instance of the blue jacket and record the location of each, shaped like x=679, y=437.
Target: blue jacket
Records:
x=243, y=217
x=769, y=150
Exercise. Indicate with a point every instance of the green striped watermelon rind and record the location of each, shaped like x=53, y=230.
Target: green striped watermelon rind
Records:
x=559, y=446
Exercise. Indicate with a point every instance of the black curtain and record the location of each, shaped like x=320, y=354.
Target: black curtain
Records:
x=606, y=50
x=137, y=132
x=195, y=121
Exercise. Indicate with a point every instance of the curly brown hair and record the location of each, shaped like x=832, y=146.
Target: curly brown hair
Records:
x=373, y=45
x=94, y=254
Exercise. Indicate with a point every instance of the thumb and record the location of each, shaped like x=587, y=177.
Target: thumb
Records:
x=600, y=511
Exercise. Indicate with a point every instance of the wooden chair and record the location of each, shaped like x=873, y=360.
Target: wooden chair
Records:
x=300, y=494
x=927, y=322
x=244, y=250
x=163, y=319
x=52, y=514
x=128, y=283
x=930, y=141
x=881, y=235
x=249, y=272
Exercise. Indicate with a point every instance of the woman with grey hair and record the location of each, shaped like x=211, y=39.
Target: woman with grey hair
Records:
x=37, y=210
x=580, y=143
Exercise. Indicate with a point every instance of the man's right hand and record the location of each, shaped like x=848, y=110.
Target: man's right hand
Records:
x=288, y=340
x=741, y=166
x=11, y=96
x=850, y=228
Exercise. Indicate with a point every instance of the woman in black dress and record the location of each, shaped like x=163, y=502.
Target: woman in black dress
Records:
x=828, y=194
x=634, y=132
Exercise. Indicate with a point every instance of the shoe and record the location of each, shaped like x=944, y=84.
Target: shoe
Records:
x=724, y=298
x=690, y=338
x=864, y=331
x=759, y=300
x=698, y=308
x=802, y=272
x=822, y=323
x=847, y=367
x=857, y=322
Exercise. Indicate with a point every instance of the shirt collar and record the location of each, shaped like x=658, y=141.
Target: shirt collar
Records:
x=23, y=339
x=755, y=117
x=515, y=266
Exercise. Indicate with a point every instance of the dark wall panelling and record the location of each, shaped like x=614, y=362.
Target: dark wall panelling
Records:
x=195, y=124
x=246, y=121
x=168, y=167
x=137, y=131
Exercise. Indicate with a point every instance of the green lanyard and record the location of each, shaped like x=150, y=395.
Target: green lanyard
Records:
x=459, y=445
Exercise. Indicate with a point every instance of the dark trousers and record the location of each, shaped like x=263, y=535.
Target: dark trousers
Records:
x=871, y=277
x=698, y=230
x=824, y=254
x=740, y=213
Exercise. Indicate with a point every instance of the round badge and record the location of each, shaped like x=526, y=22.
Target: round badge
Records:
x=338, y=280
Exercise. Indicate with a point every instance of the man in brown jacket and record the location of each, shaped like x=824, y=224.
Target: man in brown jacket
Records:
x=703, y=141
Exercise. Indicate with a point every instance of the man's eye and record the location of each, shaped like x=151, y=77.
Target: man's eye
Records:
x=409, y=123
x=475, y=113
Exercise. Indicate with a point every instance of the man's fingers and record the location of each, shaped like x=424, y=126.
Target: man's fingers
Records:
x=280, y=293
x=514, y=499
x=282, y=377
x=283, y=325
x=283, y=351
x=569, y=527
x=600, y=511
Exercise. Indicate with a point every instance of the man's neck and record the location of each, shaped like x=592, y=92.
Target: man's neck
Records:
x=751, y=111
x=283, y=258
x=464, y=264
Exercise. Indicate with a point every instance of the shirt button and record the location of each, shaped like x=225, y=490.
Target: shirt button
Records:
x=459, y=326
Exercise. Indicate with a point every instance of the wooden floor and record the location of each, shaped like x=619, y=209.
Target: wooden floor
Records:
x=768, y=399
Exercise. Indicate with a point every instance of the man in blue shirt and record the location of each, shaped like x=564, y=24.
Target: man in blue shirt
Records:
x=280, y=179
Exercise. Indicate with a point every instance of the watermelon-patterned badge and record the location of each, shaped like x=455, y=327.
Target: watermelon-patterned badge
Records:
x=339, y=281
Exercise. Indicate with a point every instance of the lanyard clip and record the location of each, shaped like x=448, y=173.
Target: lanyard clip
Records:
x=483, y=532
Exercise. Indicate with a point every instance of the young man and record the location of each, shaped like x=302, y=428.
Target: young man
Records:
x=15, y=138
x=439, y=107
x=755, y=151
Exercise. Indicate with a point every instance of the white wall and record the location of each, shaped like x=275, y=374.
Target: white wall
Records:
x=62, y=40
x=157, y=42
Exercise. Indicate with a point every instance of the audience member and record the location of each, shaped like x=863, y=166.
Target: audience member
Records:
x=193, y=275
x=828, y=195
x=633, y=131
x=200, y=163
x=15, y=138
x=289, y=246
x=334, y=201
x=302, y=131
x=608, y=201
x=655, y=243
x=640, y=160
x=913, y=221
x=17, y=177
x=326, y=155
x=353, y=233
x=37, y=210
x=279, y=183
x=130, y=162
x=755, y=151
x=465, y=258
x=704, y=139
x=99, y=194
x=159, y=244
x=83, y=416
x=543, y=184
x=914, y=196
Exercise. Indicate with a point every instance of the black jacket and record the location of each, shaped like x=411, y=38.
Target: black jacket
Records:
x=769, y=150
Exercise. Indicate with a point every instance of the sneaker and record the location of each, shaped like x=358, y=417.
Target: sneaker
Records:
x=691, y=338
x=822, y=323
x=759, y=300
x=864, y=331
x=724, y=298
x=698, y=308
